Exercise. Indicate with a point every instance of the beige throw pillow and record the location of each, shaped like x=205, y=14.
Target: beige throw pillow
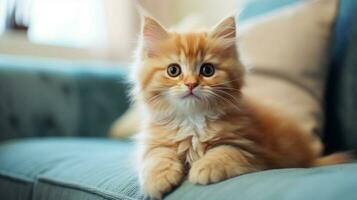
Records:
x=288, y=53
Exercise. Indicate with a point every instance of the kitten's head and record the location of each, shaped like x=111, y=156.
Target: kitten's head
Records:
x=188, y=72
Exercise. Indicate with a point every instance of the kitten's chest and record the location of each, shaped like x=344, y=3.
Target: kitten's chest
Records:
x=191, y=149
x=193, y=135
x=191, y=126
x=198, y=125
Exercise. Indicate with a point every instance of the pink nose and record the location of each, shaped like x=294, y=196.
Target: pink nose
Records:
x=191, y=86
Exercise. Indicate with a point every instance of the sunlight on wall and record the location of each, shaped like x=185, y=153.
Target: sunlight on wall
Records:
x=209, y=12
x=122, y=25
x=78, y=23
x=206, y=12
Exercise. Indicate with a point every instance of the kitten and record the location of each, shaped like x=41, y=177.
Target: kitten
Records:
x=198, y=122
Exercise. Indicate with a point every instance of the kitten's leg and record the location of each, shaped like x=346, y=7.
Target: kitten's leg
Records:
x=221, y=163
x=161, y=170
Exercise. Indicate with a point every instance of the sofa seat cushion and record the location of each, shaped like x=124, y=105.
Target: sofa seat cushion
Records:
x=68, y=168
x=93, y=168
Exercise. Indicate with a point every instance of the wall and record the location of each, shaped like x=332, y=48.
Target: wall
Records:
x=121, y=27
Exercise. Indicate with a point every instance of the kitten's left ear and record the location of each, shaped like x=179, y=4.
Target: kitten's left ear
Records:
x=153, y=33
x=225, y=31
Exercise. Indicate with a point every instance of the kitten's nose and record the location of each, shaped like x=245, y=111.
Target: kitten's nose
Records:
x=191, y=86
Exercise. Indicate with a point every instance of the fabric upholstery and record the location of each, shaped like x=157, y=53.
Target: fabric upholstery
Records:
x=341, y=94
x=93, y=168
x=68, y=168
x=42, y=97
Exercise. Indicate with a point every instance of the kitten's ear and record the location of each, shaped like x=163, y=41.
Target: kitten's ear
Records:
x=153, y=33
x=225, y=31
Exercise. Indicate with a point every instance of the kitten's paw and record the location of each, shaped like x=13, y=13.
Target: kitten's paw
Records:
x=205, y=172
x=162, y=178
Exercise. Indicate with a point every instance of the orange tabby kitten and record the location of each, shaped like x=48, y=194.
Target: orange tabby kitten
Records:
x=198, y=122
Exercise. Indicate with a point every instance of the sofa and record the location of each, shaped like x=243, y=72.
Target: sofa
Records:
x=55, y=115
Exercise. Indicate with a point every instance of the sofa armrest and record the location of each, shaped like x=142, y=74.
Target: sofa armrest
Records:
x=47, y=97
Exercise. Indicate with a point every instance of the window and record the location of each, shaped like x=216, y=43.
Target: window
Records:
x=78, y=23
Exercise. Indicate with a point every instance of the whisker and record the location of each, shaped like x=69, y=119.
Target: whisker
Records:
x=233, y=97
x=157, y=89
x=225, y=82
x=226, y=88
x=153, y=98
x=224, y=99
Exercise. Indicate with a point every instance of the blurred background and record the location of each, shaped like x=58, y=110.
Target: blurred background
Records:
x=92, y=29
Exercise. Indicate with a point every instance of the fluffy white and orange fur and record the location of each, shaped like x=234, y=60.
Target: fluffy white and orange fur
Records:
x=203, y=126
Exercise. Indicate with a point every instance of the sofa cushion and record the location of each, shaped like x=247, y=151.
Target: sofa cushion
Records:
x=68, y=168
x=327, y=183
x=90, y=168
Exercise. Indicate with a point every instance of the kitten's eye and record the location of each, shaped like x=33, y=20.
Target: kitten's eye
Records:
x=174, y=70
x=207, y=69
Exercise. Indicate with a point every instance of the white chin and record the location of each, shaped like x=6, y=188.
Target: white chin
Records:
x=189, y=103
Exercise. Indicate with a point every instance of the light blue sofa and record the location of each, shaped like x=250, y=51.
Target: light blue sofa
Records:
x=54, y=115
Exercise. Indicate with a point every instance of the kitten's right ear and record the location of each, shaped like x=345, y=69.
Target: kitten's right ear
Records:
x=225, y=31
x=153, y=33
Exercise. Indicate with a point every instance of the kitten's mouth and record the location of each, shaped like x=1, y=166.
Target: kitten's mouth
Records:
x=190, y=95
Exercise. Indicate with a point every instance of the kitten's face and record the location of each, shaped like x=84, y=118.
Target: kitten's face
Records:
x=189, y=71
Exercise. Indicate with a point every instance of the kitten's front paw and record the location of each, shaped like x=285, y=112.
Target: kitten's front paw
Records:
x=162, y=178
x=205, y=172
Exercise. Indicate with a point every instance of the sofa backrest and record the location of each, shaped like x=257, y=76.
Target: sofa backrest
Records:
x=52, y=97
x=341, y=93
